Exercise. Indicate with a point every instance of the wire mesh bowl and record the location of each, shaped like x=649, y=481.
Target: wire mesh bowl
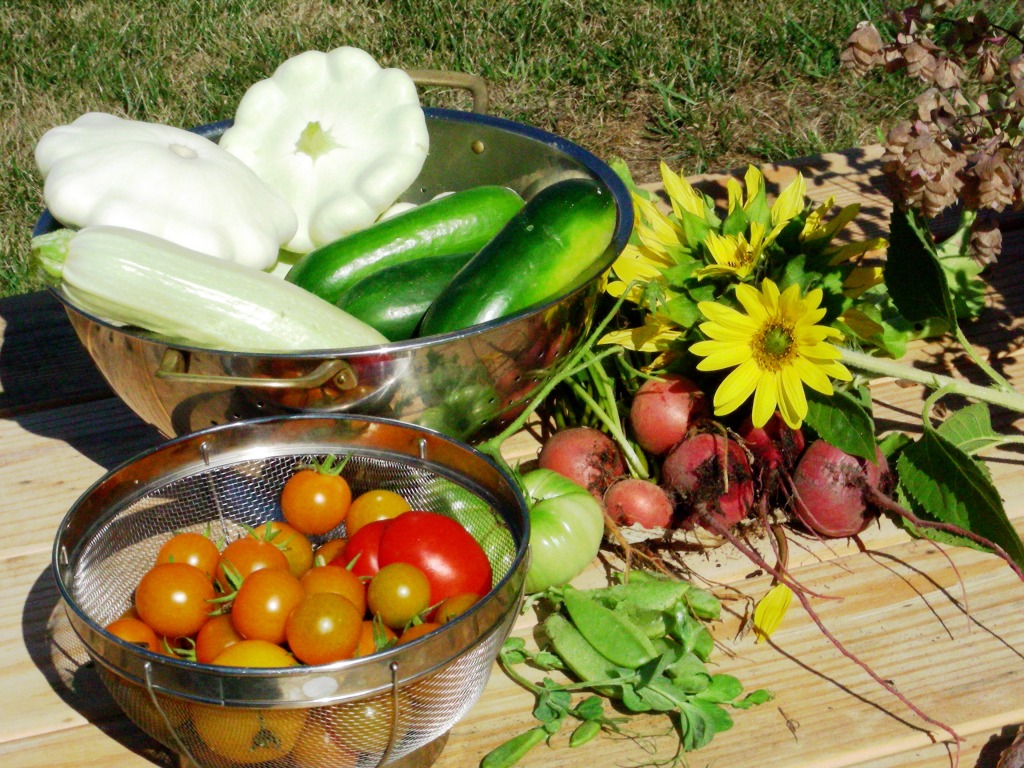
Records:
x=394, y=707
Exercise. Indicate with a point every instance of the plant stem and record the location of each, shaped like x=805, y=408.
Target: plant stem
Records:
x=614, y=428
x=1011, y=400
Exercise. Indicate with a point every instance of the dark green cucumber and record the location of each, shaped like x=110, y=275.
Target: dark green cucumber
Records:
x=543, y=251
x=461, y=222
x=392, y=300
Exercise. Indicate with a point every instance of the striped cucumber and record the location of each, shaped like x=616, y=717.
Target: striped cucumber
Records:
x=546, y=249
x=461, y=222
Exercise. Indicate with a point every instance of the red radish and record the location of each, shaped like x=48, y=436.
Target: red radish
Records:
x=776, y=445
x=586, y=456
x=711, y=477
x=831, y=490
x=632, y=500
x=663, y=411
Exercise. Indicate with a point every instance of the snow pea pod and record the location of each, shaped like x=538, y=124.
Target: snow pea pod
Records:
x=579, y=655
x=513, y=750
x=618, y=640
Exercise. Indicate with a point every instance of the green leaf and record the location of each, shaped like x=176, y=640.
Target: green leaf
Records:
x=843, y=422
x=723, y=688
x=754, y=698
x=682, y=310
x=970, y=429
x=695, y=229
x=913, y=275
x=950, y=487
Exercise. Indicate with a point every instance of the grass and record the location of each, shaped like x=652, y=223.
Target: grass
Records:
x=703, y=85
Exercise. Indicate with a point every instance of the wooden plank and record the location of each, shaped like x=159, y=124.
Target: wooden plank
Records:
x=41, y=361
x=49, y=457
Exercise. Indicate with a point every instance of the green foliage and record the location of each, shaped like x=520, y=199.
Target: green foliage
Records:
x=638, y=646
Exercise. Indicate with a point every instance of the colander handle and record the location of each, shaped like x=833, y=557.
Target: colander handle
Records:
x=475, y=84
x=174, y=364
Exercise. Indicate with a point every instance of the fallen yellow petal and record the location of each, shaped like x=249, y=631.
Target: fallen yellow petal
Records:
x=770, y=611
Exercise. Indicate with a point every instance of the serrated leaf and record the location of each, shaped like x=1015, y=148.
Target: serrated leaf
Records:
x=970, y=429
x=913, y=275
x=843, y=422
x=951, y=487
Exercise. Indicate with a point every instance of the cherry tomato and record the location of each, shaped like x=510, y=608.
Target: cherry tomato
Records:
x=336, y=579
x=448, y=555
x=398, y=593
x=216, y=635
x=243, y=556
x=248, y=735
x=362, y=548
x=262, y=604
x=255, y=653
x=136, y=632
x=324, y=627
x=294, y=545
x=373, y=637
x=174, y=599
x=316, y=500
x=192, y=548
x=329, y=550
x=416, y=631
x=378, y=504
x=318, y=744
x=366, y=724
x=454, y=606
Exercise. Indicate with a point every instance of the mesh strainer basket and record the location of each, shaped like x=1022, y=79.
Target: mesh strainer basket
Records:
x=395, y=707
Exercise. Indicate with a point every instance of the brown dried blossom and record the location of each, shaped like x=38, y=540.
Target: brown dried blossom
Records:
x=964, y=140
x=986, y=239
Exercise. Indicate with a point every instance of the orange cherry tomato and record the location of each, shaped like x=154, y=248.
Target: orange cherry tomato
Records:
x=377, y=504
x=175, y=599
x=417, y=631
x=454, y=606
x=216, y=635
x=295, y=545
x=316, y=500
x=324, y=627
x=255, y=653
x=245, y=555
x=373, y=637
x=335, y=578
x=318, y=744
x=192, y=548
x=136, y=632
x=261, y=606
x=246, y=736
x=329, y=550
x=398, y=593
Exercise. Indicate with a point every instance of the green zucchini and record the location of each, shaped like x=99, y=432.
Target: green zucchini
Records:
x=461, y=222
x=544, y=250
x=186, y=297
x=393, y=299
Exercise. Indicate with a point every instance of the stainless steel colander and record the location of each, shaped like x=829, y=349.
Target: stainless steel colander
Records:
x=395, y=707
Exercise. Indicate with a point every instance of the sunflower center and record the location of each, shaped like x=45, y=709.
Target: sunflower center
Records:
x=773, y=346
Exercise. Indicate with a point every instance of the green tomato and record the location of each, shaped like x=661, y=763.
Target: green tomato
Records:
x=566, y=528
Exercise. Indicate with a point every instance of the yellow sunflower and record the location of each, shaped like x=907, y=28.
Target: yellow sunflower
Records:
x=777, y=347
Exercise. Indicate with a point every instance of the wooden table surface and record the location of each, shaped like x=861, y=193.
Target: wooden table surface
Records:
x=943, y=625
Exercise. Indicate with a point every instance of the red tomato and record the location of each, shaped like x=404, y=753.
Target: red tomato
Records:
x=192, y=548
x=451, y=559
x=364, y=546
x=174, y=599
x=261, y=606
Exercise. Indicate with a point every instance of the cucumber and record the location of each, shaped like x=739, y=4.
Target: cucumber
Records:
x=461, y=222
x=393, y=299
x=547, y=248
x=135, y=279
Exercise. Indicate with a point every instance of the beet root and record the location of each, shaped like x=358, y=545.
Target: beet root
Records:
x=832, y=490
x=774, y=446
x=634, y=501
x=710, y=476
x=586, y=456
x=663, y=411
